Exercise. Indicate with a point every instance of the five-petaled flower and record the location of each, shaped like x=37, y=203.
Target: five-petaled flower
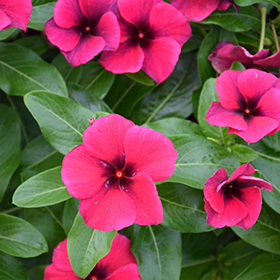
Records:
x=236, y=200
x=83, y=28
x=15, y=13
x=199, y=10
x=225, y=53
x=114, y=170
x=249, y=104
x=118, y=264
x=152, y=34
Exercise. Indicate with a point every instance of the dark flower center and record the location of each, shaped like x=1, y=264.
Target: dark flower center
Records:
x=232, y=189
x=98, y=273
x=141, y=35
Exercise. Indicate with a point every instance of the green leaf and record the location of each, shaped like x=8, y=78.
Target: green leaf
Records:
x=195, y=41
x=69, y=213
x=250, y=2
x=158, y=252
x=96, y=79
x=242, y=153
x=10, y=151
x=86, y=246
x=62, y=121
x=25, y=71
x=173, y=97
x=199, y=159
x=6, y=33
x=36, y=273
x=265, y=234
x=43, y=189
x=264, y=267
x=124, y=94
x=19, y=238
x=175, y=126
x=273, y=141
x=208, y=95
x=10, y=269
x=183, y=208
x=141, y=77
x=40, y=14
x=51, y=228
x=36, y=43
x=236, y=65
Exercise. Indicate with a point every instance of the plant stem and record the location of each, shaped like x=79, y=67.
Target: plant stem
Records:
x=275, y=36
x=263, y=19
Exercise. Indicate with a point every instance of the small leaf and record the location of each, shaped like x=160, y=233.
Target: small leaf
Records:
x=243, y=154
x=43, y=189
x=6, y=33
x=19, y=238
x=86, y=246
x=236, y=65
x=141, y=77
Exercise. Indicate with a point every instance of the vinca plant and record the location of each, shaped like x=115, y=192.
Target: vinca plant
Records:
x=139, y=139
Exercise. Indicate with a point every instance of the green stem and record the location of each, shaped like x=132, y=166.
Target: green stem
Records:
x=275, y=36
x=263, y=18
x=11, y=210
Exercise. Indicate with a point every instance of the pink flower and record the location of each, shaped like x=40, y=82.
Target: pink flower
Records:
x=15, y=13
x=234, y=201
x=199, y=10
x=152, y=34
x=114, y=170
x=249, y=104
x=83, y=28
x=226, y=53
x=118, y=264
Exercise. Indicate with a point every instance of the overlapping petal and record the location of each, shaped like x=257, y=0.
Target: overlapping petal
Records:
x=243, y=170
x=60, y=257
x=51, y=273
x=128, y=272
x=4, y=20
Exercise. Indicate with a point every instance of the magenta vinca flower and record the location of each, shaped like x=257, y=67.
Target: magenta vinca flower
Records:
x=15, y=13
x=114, y=170
x=199, y=10
x=81, y=29
x=249, y=104
x=225, y=53
x=236, y=200
x=152, y=34
x=120, y=263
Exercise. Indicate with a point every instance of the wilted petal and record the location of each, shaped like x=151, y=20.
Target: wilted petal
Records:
x=217, y=115
x=161, y=56
x=272, y=61
x=153, y=154
x=128, y=272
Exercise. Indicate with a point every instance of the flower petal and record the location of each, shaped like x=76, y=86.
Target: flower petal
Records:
x=84, y=175
x=196, y=10
x=153, y=154
x=244, y=170
x=217, y=115
x=104, y=139
x=68, y=13
x=109, y=209
x=143, y=192
x=108, y=28
x=212, y=191
x=65, y=39
x=4, y=20
x=119, y=255
x=253, y=84
x=252, y=199
x=87, y=48
x=127, y=58
x=128, y=272
x=51, y=273
x=18, y=12
x=234, y=212
x=167, y=21
x=93, y=9
x=137, y=12
x=60, y=257
x=249, y=181
x=258, y=127
x=161, y=56
x=228, y=92
x=272, y=61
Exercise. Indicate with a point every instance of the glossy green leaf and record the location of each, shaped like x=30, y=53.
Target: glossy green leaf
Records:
x=264, y=267
x=208, y=95
x=158, y=252
x=62, y=121
x=141, y=77
x=173, y=97
x=265, y=234
x=175, y=126
x=69, y=213
x=86, y=246
x=10, y=151
x=10, y=269
x=51, y=228
x=195, y=41
x=6, y=33
x=183, y=208
x=40, y=190
x=36, y=43
x=19, y=238
x=242, y=153
x=96, y=79
x=124, y=94
x=273, y=141
x=238, y=66
x=198, y=159
x=25, y=71
x=37, y=273
x=250, y=2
